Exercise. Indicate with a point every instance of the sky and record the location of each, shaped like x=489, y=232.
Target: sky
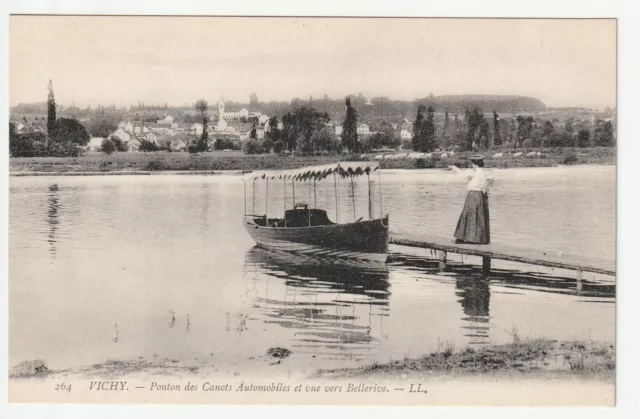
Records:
x=178, y=60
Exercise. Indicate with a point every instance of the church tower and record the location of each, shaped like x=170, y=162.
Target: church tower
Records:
x=222, y=125
x=221, y=107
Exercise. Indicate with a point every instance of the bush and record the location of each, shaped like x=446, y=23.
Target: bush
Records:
x=570, y=158
x=528, y=143
x=63, y=149
x=424, y=164
x=279, y=146
x=155, y=165
x=108, y=147
x=147, y=146
x=27, y=145
x=120, y=145
x=193, y=149
x=252, y=146
x=584, y=138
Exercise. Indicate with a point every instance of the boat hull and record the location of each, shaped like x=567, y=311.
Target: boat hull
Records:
x=366, y=240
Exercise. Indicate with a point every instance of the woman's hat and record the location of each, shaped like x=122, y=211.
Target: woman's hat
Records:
x=476, y=157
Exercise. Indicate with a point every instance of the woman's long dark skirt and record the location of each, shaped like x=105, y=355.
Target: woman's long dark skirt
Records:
x=473, y=225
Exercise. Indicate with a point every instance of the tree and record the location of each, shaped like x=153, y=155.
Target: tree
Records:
x=483, y=134
x=252, y=146
x=525, y=125
x=146, y=146
x=324, y=140
x=68, y=130
x=417, y=141
x=30, y=144
x=253, y=99
x=497, y=137
x=279, y=146
x=51, y=110
x=350, y=128
x=102, y=127
x=273, y=133
x=203, y=143
x=119, y=144
x=547, y=132
x=603, y=134
x=584, y=137
x=475, y=120
x=108, y=147
x=429, y=132
x=299, y=126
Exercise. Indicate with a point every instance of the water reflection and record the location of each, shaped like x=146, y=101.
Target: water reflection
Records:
x=475, y=296
x=53, y=217
x=334, y=307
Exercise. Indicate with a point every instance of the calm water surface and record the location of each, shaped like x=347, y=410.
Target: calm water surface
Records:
x=123, y=267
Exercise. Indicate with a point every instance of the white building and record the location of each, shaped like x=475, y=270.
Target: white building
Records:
x=338, y=130
x=140, y=129
x=94, y=144
x=152, y=137
x=363, y=129
x=406, y=134
x=122, y=135
x=133, y=145
x=198, y=128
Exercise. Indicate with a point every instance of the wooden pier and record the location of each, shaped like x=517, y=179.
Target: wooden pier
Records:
x=530, y=256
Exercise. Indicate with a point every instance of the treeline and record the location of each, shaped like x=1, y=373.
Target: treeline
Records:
x=383, y=107
x=475, y=131
x=376, y=107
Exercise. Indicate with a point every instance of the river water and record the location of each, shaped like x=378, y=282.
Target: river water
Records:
x=122, y=267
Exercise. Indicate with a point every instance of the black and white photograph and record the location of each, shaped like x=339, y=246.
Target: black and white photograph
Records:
x=312, y=210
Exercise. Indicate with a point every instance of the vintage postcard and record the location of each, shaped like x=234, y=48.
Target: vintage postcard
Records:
x=298, y=210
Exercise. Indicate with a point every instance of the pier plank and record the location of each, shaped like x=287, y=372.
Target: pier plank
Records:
x=506, y=252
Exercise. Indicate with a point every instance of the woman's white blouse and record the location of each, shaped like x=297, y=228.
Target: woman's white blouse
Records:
x=479, y=180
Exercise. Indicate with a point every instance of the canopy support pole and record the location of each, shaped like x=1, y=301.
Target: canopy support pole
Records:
x=284, y=182
x=335, y=186
x=380, y=184
x=309, y=204
x=266, y=204
x=245, y=196
x=370, y=203
x=253, y=210
x=353, y=200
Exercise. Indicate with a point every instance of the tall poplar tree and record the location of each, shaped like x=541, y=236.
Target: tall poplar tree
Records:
x=497, y=139
x=417, y=142
x=350, y=128
x=51, y=110
x=429, y=143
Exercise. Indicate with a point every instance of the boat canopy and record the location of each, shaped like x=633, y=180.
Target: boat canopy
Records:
x=343, y=168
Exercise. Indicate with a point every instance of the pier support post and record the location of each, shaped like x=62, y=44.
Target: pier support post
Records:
x=442, y=260
x=486, y=266
x=579, y=280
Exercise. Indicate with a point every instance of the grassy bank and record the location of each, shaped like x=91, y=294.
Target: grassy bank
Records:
x=217, y=161
x=542, y=358
x=532, y=358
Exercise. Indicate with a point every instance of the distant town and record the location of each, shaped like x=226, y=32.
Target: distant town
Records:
x=355, y=124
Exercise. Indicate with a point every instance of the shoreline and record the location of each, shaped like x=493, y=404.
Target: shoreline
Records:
x=213, y=163
x=241, y=172
x=529, y=359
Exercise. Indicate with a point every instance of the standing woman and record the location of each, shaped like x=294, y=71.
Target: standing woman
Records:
x=473, y=225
